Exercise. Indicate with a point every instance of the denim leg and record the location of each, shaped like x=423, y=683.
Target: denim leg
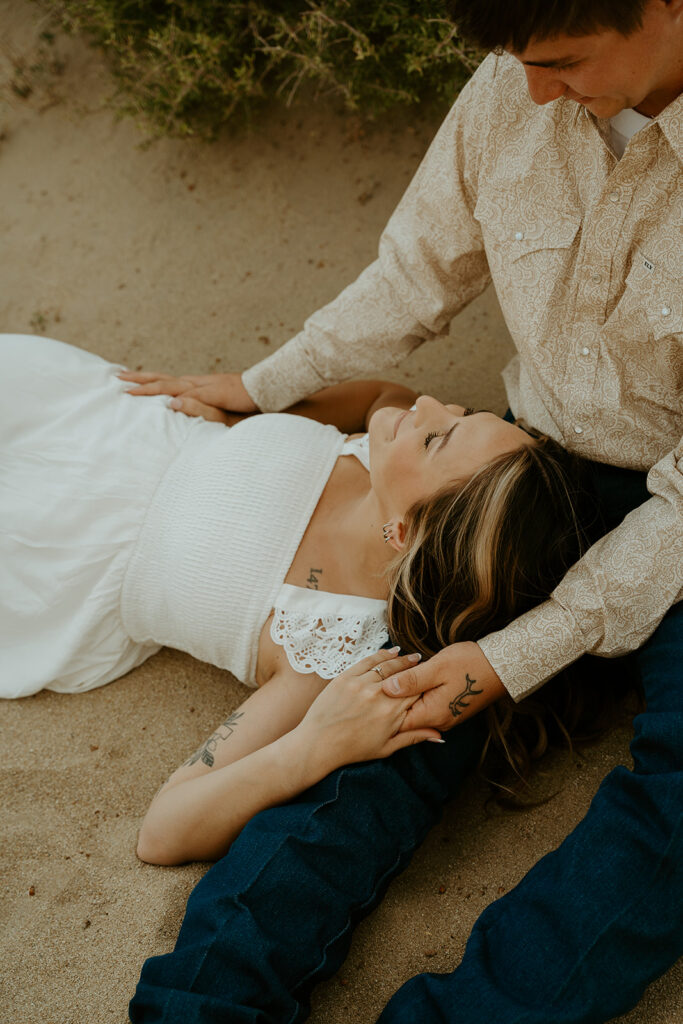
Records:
x=594, y=922
x=275, y=915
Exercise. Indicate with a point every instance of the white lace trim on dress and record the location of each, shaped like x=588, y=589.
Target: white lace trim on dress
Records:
x=327, y=633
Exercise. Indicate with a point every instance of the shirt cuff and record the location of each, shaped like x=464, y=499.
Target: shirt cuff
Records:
x=282, y=379
x=533, y=648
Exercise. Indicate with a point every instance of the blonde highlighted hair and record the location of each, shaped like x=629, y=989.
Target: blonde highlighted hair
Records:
x=483, y=551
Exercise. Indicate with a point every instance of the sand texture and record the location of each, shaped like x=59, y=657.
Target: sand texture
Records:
x=192, y=257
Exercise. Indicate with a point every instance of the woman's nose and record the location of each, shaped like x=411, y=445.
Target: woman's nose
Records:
x=425, y=405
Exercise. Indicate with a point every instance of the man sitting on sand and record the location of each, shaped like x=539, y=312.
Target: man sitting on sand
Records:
x=557, y=175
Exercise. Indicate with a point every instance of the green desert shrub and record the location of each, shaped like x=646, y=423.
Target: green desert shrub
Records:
x=190, y=66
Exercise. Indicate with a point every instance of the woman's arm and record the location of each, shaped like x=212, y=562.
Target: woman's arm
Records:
x=350, y=406
x=174, y=829
x=347, y=406
x=207, y=801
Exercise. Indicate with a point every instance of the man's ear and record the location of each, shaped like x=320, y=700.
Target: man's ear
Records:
x=395, y=534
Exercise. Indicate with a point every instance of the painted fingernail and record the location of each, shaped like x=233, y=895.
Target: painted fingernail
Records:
x=393, y=685
x=414, y=657
x=175, y=403
x=393, y=650
x=433, y=739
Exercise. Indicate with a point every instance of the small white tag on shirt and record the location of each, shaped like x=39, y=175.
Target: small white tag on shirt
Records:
x=648, y=266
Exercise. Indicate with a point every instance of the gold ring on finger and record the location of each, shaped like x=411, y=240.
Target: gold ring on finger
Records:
x=378, y=670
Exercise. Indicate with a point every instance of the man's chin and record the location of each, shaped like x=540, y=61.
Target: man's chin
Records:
x=602, y=106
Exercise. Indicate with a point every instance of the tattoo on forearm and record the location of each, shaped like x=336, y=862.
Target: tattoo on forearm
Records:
x=458, y=703
x=312, y=581
x=208, y=748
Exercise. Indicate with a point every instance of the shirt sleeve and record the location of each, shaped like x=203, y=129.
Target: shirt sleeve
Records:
x=611, y=601
x=431, y=263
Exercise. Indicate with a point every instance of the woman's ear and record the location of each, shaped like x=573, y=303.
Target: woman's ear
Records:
x=394, y=534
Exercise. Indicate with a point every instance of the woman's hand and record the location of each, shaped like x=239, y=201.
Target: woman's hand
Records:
x=213, y=395
x=354, y=720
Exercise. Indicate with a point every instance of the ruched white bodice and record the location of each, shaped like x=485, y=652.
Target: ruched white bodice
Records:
x=125, y=526
x=220, y=535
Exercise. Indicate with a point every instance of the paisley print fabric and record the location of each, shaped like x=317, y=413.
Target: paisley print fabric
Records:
x=584, y=251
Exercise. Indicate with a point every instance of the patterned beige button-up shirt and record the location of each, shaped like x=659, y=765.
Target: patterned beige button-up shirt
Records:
x=585, y=253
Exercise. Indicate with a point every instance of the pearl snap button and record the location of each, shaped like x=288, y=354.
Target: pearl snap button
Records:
x=665, y=310
x=585, y=351
x=614, y=196
x=578, y=430
x=597, y=278
x=519, y=235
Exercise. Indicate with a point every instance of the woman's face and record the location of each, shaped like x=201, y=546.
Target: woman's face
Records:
x=415, y=454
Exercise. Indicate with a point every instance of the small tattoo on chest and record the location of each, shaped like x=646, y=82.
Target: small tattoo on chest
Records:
x=312, y=581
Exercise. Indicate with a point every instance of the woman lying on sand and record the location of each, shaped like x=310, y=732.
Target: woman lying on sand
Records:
x=286, y=549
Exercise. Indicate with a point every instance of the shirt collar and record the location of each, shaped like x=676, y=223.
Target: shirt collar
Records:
x=670, y=121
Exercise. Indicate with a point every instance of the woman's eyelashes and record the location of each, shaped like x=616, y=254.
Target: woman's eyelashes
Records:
x=431, y=436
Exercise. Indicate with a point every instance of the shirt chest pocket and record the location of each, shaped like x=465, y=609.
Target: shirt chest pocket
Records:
x=530, y=250
x=645, y=334
x=654, y=298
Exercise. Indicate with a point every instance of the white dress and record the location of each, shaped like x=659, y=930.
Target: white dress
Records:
x=125, y=526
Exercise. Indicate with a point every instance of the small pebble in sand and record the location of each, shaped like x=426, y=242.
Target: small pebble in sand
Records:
x=32, y=890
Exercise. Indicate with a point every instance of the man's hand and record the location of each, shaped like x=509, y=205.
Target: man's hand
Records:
x=220, y=390
x=455, y=684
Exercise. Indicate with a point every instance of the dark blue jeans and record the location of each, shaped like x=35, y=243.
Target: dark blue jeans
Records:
x=576, y=941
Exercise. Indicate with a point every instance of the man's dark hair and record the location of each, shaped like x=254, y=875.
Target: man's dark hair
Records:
x=490, y=24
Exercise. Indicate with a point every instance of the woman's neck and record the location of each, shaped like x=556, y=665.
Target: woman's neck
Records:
x=342, y=550
x=359, y=537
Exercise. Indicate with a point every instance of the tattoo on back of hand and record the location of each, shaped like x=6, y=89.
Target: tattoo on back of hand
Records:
x=458, y=703
x=208, y=748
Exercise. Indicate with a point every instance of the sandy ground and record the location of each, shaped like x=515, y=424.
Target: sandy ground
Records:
x=192, y=257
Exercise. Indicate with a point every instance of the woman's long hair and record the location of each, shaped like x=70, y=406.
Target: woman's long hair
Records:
x=482, y=552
